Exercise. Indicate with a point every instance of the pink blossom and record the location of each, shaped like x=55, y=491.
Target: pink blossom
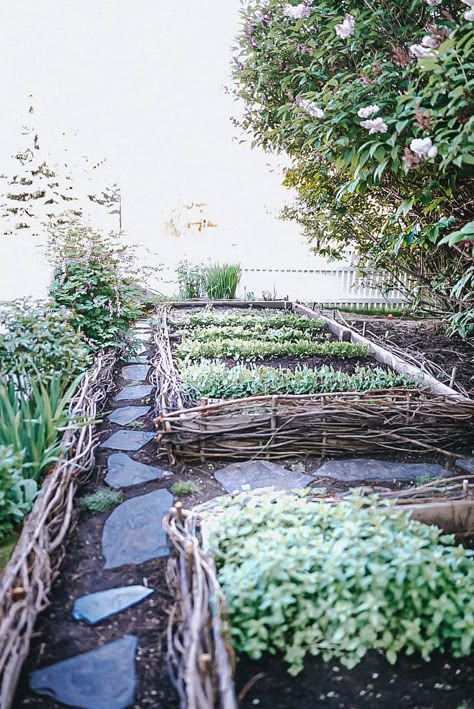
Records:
x=423, y=148
x=309, y=107
x=346, y=28
x=375, y=125
x=367, y=111
x=296, y=12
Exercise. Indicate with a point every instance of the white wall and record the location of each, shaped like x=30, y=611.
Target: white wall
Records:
x=24, y=270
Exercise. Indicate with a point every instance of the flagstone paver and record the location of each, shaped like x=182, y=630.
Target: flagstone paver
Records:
x=135, y=372
x=137, y=359
x=133, y=533
x=142, y=335
x=128, y=440
x=97, y=606
x=123, y=471
x=260, y=473
x=133, y=392
x=369, y=469
x=127, y=414
x=100, y=679
x=466, y=464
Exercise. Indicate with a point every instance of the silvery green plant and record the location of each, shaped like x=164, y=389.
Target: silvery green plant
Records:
x=308, y=578
x=251, y=319
x=259, y=332
x=16, y=492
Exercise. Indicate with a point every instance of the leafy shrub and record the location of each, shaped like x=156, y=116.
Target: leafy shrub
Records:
x=31, y=421
x=96, y=281
x=16, y=493
x=253, y=319
x=37, y=338
x=253, y=349
x=305, y=578
x=190, y=280
x=101, y=500
x=215, y=380
x=184, y=487
x=221, y=281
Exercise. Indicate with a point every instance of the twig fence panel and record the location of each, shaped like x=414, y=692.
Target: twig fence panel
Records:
x=33, y=567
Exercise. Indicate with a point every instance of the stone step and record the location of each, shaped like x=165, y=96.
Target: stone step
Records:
x=260, y=473
x=104, y=678
x=128, y=440
x=123, y=471
x=133, y=533
x=354, y=469
x=100, y=605
x=465, y=464
x=135, y=372
x=134, y=392
x=127, y=414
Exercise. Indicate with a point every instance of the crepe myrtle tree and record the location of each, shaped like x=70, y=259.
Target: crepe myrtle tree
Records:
x=373, y=103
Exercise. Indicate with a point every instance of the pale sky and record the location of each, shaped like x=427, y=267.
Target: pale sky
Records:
x=142, y=83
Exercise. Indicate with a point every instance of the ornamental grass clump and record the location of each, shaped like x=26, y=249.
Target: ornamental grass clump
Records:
x=221, y=281
x=307, y=578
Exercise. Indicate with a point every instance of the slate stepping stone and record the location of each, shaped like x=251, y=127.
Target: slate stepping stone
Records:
x=142, y=335
x=128, y=440
x=133, y=392
x=368, y=469
x=136, y=372
x=466, y=464
x=101, y=679
x=123, y=471
x=97, y=606
x=260, y=473
x=133, y=533
x=126, y=414
x=138, y=359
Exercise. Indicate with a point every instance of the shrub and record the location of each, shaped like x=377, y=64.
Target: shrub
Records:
x=37, y=338
x=221, y=281
x=96, y=281
x=184, y=487
x=304, y=577
x=16, y=493
x=190, y=280
x=253, y=349
x=101, y=500
x=215, y=380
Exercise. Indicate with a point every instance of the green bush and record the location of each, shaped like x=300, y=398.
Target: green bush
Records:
x=16, y=493
x=95, y=279
x=221, y=281
x=215, y=380
x=253, y=349
x=102, y=500
x=190, y=280
x=307, y=578
x=35, y=338
x=184, y=487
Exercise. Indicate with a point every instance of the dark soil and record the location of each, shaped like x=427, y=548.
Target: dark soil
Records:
x=443, y=683
x=426, y=340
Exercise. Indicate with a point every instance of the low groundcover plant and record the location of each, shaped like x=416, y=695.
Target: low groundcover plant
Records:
x=308, y=578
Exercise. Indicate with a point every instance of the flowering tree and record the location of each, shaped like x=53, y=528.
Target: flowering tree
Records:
x=373, y=102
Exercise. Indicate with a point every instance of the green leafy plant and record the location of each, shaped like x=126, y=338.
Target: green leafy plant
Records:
x=216, y=381
x=304, y=577
x=36, y=338
x=102, y=500
x=184, y=487
x=265, y=333
x=253, y=319
x=95, y=279
x=249, y=350
x=16, y=492
x=221, y=281
x=190, y=279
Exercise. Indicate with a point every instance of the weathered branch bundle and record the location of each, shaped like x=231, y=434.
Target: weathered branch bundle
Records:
x=29, y=575
x=200, y=655
x=331, y=424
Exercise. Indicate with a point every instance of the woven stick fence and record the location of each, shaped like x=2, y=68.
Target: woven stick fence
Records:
x=33, y=567
x=200, y=655
x=330, y=424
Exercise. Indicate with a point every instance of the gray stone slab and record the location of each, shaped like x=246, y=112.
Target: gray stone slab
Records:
x=126, y=414
x=465, y=464
x=260, y=473
x=142, y=335
x=133, y=533
x=123, y=471
x=135, y=372
x=97, y=606
x=369, y=469
x=134, y=392
x=128, y=440
x=101, y=679
x=137, y=359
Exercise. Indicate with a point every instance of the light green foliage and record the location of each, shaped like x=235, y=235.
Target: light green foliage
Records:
x=257, y=320
x=31, y=421
x=221, y=280
x=304, y=577
x=281, y=334
x=184, y=487
x=101, y=500
x=16, y=492
x=363, y=185
x=190, y=280
x=36, y=338
x=96, y=280
x=215, y=380
x=254, y=349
